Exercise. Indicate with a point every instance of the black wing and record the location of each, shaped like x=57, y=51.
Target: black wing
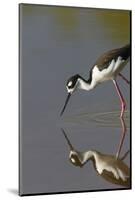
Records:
x=110, y=178
x=106, y=58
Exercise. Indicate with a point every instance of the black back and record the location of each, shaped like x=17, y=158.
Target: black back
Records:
x=106, y=58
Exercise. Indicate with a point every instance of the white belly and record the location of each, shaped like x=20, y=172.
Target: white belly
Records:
x=108, y=73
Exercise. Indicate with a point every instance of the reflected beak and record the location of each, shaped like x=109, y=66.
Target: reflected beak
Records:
x=66, y=102
x=69, y=143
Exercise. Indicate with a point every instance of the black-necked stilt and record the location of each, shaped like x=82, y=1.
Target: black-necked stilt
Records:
x=107, y=67
x=109, y=167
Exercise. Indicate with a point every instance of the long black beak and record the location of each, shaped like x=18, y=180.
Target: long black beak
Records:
x=66, y=102
x=69, y=143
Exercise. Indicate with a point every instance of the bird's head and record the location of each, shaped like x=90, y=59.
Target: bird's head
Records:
x=72, y=82
x=75, y=157
x=71, y=86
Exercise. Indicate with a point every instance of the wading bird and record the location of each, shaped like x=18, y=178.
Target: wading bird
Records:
x=112, y=169
x=107, y=67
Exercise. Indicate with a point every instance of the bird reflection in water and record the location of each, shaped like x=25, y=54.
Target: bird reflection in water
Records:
x=110, y=167
x=123, y=134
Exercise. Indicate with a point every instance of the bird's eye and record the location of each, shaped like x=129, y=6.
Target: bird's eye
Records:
x=72, y=159
x=70, y=83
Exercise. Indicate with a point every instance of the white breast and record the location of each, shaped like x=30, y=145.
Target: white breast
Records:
x=109, y=165
x=108, y=73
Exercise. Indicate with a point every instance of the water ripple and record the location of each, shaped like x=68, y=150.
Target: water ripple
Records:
x=104, y=119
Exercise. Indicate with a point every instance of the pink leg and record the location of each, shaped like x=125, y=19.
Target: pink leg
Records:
x=123, y=77
x=124, y=129
x=123, y=104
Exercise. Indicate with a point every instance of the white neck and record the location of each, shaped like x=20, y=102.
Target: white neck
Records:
x=82, y=84
x=88, y=155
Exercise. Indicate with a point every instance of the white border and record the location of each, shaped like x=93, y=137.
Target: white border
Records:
x=9, y=97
